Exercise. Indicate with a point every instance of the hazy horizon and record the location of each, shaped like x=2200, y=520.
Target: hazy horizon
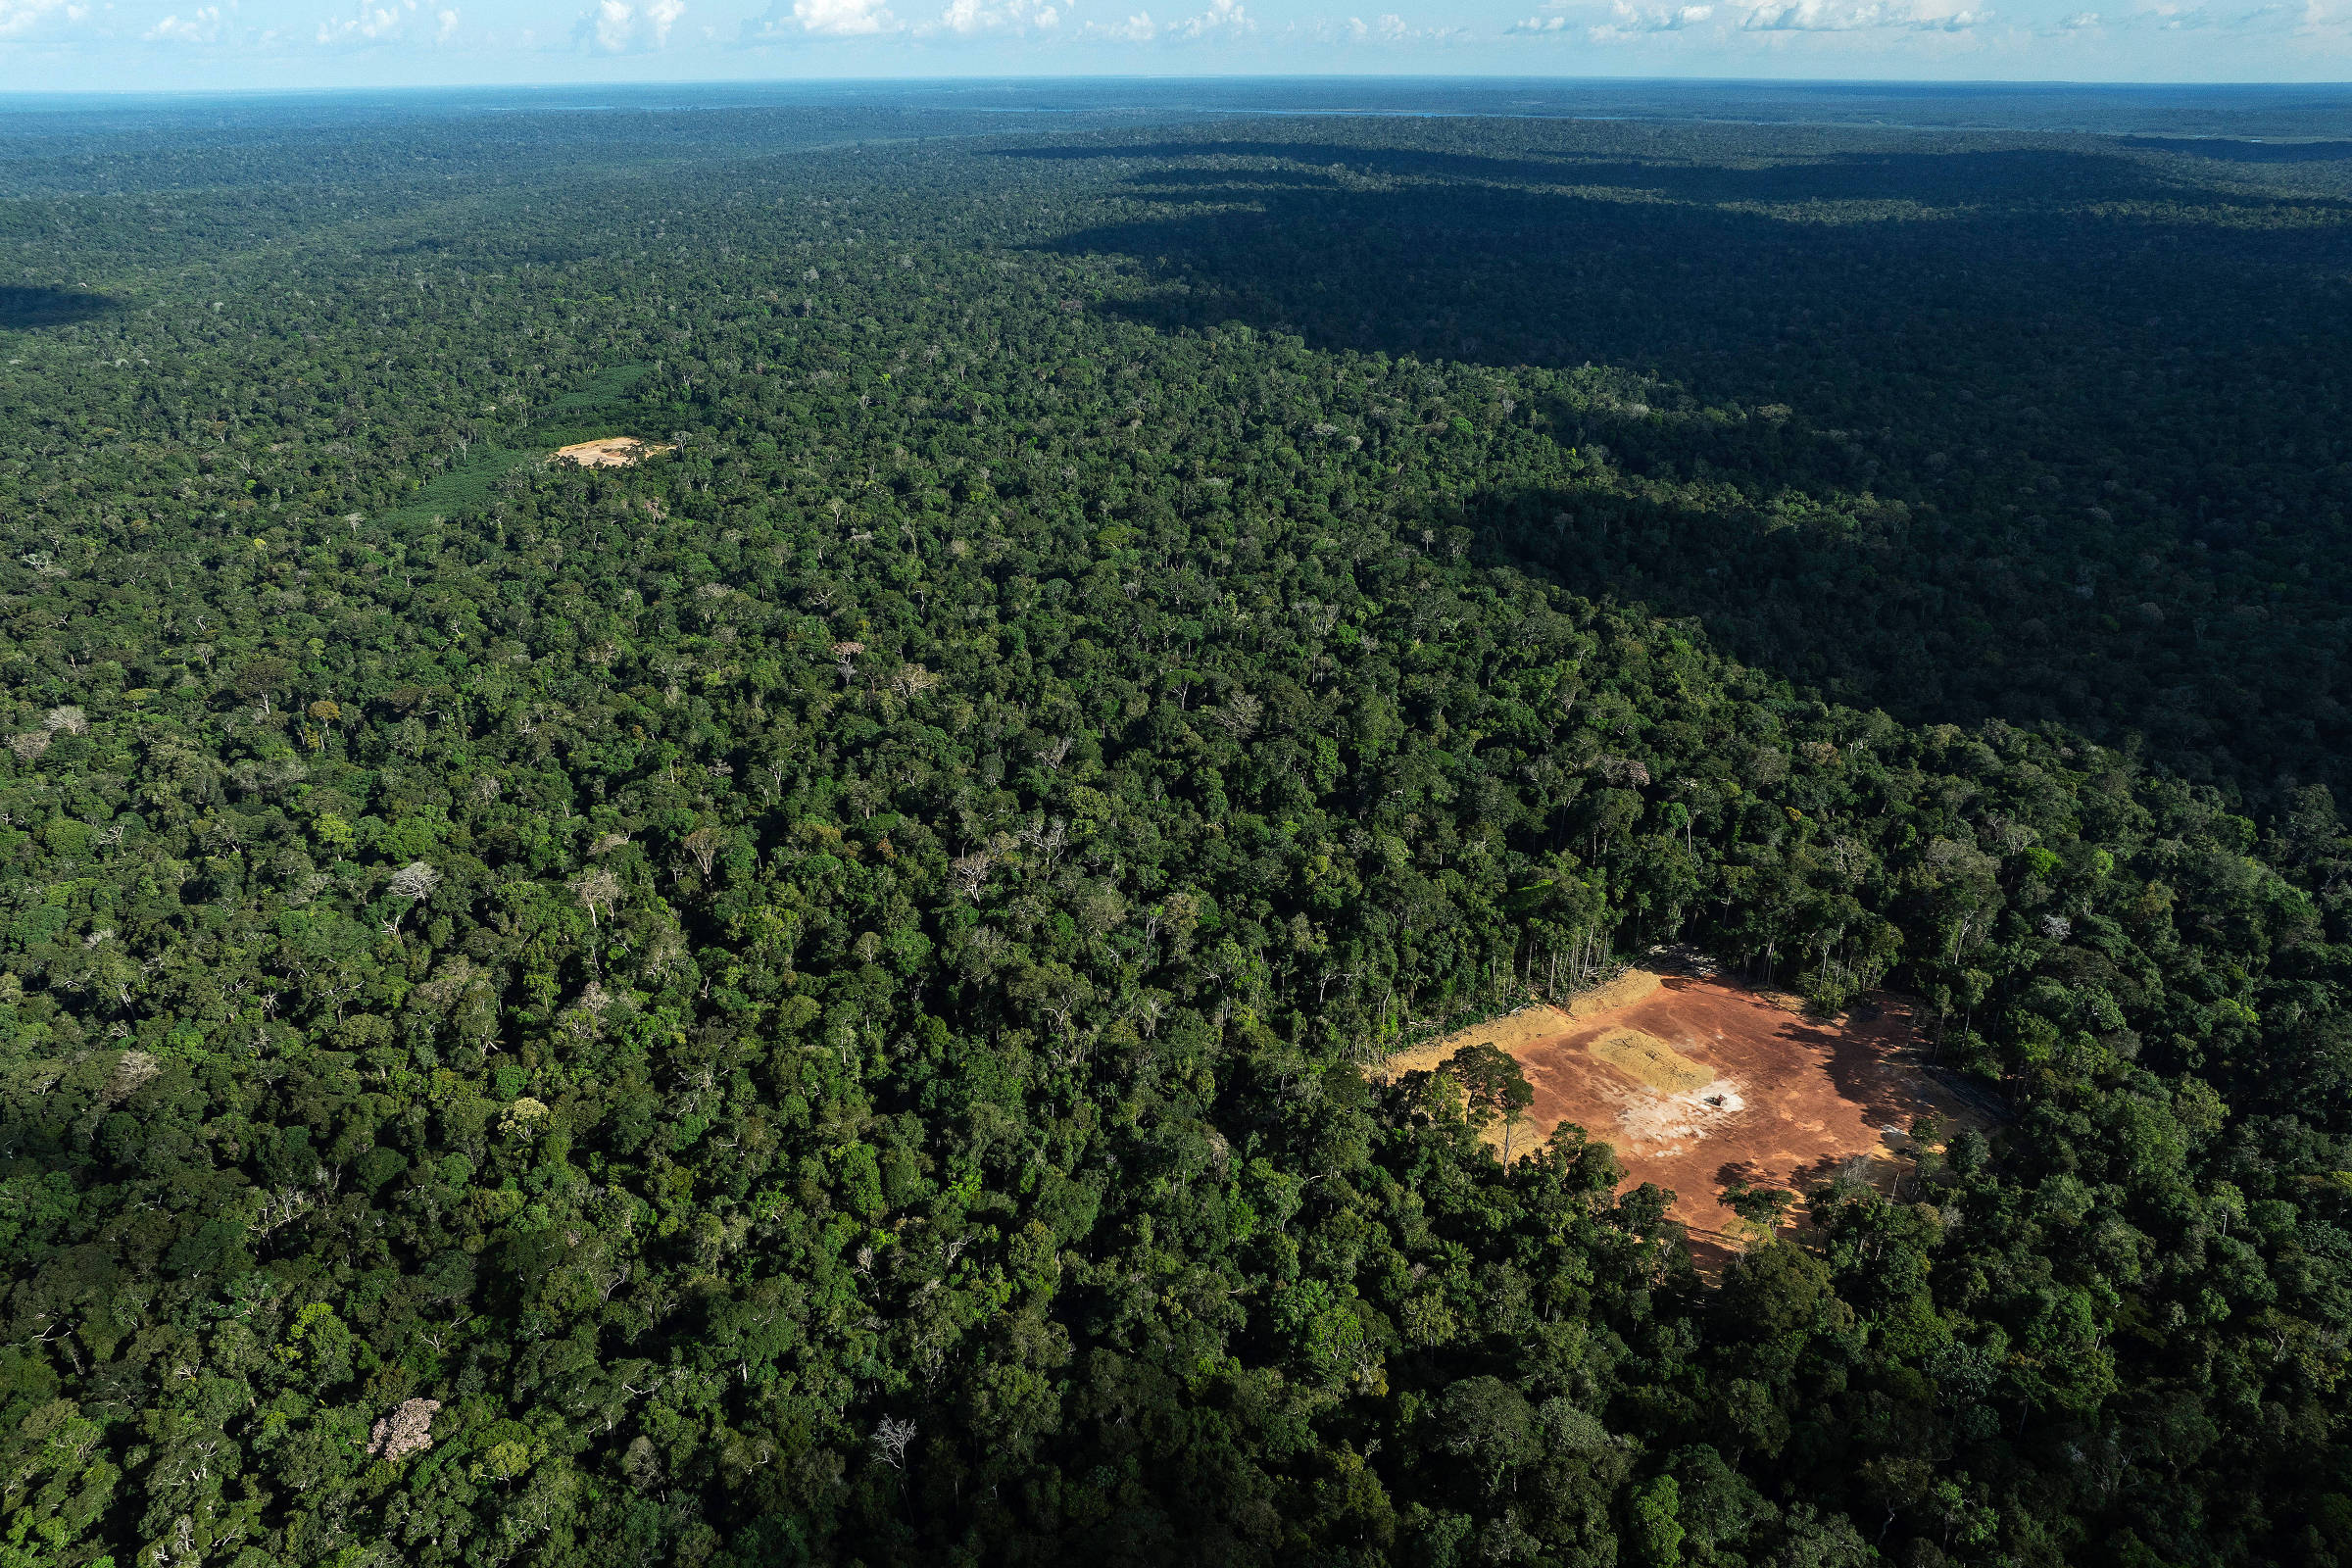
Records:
x=2292, y=110
x=179, y=45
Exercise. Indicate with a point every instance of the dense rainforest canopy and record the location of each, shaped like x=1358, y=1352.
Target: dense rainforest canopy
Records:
x=809, y=999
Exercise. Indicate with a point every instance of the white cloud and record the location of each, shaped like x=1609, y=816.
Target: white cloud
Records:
x=2315, y=21
x=368, y=24
x=1393, y=31
x=20, y=16
x=1723, y=20
x=968, y=18
x=838, y=19
x=387, y=22
x=1224, y=19
x=1855, y=16
x=1626, y=19
x=616, y=26
x=2309, y=20
x=1223, y=16
x=201, y=25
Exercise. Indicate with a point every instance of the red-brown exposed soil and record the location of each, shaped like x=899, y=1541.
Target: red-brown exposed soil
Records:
x=1793, y=1098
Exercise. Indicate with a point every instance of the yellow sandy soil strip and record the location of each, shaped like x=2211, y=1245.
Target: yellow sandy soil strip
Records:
x=1649, y=1060
x=1623, y=991
x=613, y=452
x=1541, y=1021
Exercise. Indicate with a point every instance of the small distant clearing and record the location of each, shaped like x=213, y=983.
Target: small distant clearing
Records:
x=1700, y=1084
x=611, y=452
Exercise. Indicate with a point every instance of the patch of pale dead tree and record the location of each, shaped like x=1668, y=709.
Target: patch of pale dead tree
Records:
x=405, y=1431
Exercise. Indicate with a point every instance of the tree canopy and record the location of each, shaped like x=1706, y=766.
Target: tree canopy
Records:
x=813, y=998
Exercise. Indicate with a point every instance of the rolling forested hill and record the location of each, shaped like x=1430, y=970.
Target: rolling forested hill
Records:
x=809, y=1000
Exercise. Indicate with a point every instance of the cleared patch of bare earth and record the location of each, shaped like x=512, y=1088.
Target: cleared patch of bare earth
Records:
x=611, y=452
x=1700, y=1084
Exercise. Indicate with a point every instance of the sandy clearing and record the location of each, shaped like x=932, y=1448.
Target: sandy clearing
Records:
x=611, y=452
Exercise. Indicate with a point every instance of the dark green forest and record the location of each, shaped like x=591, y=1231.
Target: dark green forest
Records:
x=814, y=1000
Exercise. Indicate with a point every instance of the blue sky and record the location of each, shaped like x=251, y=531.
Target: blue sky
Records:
x=176, y=44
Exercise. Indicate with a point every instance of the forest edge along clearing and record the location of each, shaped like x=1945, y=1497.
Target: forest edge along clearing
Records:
x=1540, y=1021
x=1700, y=1084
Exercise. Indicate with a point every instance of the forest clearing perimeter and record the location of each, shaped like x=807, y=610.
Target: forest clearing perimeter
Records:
x=1700, y=1084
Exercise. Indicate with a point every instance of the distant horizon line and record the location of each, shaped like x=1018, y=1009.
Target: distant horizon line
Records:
x=12, y=97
